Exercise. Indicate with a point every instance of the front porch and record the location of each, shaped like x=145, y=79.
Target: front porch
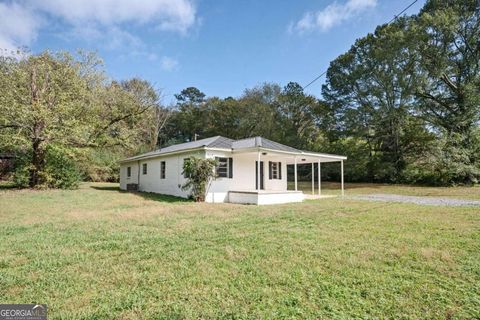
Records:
x=271, y=186
x=258, y=171
x=295, y=159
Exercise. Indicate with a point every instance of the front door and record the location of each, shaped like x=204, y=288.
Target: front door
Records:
x=261, y=175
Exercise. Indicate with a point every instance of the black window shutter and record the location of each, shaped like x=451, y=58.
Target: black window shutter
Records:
x=270, y=170
x=230, y=168
x=280, y=170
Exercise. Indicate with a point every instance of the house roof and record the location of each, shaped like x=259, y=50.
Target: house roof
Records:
x=212, y=142
x=261, y=143
x=220, y=142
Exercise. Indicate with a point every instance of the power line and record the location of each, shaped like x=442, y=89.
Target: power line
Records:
x=393, y=19
x=321, y=75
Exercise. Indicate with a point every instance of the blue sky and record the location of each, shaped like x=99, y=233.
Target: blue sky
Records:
x=220, y=47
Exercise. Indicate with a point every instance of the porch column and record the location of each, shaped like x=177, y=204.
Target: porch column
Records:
x=313, y=178
x=319, y=178
x=258, y=171
x=341, y=169
x=295, y=174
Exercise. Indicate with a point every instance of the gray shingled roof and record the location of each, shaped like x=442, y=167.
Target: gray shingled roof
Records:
x=263, y=143
x=221, y=143
x=212, y=142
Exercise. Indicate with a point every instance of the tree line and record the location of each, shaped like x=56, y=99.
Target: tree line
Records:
x=403, y=103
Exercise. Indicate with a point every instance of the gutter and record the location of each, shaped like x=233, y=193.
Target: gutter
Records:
x=138, y=174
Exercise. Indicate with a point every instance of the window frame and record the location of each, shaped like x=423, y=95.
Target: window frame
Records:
x=225, y=167
x=275, y=171
x=163, y=169
x=129, y=172
x=144, y=169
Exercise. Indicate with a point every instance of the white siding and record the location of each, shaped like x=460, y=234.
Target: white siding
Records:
x=123, y=174
x=151, y=181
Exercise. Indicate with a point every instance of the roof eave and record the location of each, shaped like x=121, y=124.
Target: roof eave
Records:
x=138, y=158
x=324, y=155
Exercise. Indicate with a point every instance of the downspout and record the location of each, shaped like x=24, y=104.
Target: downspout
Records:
x=138, y=175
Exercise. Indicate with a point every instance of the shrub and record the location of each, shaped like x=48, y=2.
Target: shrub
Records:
x=445, y=164
x=198, y=173
x=101, y=166
x=60, y=170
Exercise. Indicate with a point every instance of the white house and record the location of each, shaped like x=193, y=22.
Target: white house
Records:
x=239, y=177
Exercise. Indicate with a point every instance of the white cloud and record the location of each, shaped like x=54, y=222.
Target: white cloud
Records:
x=332, y=15
x=108, y=37
x=168, y=64
x=175, y=15
x=18, y=26
x=98, y=20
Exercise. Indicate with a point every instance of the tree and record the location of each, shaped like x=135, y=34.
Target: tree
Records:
x=198, y=172
x=192, y=116
x=446, y=36
x=372, y=90
x=43, y=102
x=226, y=117
x=258, y=107
x=252, y=114
x=156, y=116
x=64, y=103
x=295, y=114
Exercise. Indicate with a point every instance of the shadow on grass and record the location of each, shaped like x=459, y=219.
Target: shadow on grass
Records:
x=146, y=195
x=107, y=188
x=161, y=197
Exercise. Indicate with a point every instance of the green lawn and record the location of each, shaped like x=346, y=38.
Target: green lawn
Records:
x=98, y=253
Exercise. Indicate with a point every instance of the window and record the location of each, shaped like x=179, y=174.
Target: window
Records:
x=129, y=172
x=162, y=169
x=275, y=170
x=224, y=168
x=144, y=168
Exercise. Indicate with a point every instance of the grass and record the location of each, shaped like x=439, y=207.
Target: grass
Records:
x=97, y=253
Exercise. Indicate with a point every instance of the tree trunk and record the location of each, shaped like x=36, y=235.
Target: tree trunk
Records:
x=37, y=164
x=38, y=148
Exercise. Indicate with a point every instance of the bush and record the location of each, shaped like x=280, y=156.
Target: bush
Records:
x=21, y=173
x=446, y=164
x=60, y=170
x=198, y=172
x=101, y=166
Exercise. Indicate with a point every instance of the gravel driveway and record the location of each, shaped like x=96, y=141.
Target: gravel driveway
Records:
x=426, y=201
